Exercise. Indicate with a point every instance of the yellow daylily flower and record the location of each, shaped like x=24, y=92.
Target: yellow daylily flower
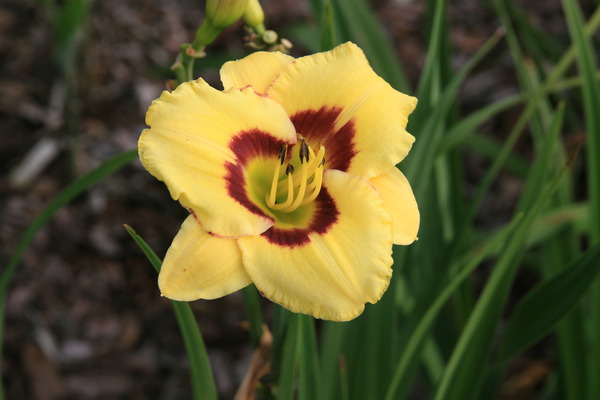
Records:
x=290, y=180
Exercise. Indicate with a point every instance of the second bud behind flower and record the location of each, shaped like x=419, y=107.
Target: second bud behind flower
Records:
x=223, y=13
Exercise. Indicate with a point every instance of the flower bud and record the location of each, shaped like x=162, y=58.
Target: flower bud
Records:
x=254, y=15
x=223, y=13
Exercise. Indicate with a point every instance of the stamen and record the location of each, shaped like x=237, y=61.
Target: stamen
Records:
x=316, y=184
x=304, y=151
x=275, y=181
x=301, y=188
x=289, y=171
x=282, y=154
x=312, y=166
x=273, y=192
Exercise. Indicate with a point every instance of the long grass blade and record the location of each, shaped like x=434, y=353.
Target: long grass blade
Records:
x=290, y=357
x=591, y=103
x=203, y=384
x=332, y=335
x=69, y=193
x=464, y=371
x=543, y=307
x=255, y=318
x=309, y=384
x=405, y=368
x=355, y=21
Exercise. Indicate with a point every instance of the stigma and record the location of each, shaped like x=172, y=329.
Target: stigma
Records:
x=298, y=186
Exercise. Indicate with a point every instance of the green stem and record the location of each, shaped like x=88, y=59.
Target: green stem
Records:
x=206, y=34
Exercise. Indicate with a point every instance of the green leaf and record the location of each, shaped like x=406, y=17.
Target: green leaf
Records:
x=70, y=18
x=406, y=366
x=464, y=371
x=357, y=22
x=69, y=193
x=591, y=102
x=148, y=252
x=203, y=383
x=419, y=165
x=327, y=27
x=309, y=385
x=255, y=318
x=544, y=306
x=332, y=335
x=575, y=215
x=586, y=59
x=299, y=359
x=289, y=362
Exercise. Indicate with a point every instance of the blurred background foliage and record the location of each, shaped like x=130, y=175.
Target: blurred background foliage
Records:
x=499, y=298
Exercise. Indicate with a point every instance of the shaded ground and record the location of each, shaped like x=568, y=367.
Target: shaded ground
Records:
x=84, y=316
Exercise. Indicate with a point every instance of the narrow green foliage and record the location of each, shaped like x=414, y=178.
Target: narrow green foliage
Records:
x=371, y=348
x=406, y=366
x=252, y=305
x=63, y=198
x=66, y=196
x=288, y=369
x=155, y=261
x=332, y=336
x=324, y=14
x=537, y=178
x=419, y=165
x=464, y=372
x=203, y=383
x=69, y=19
x=542, y=308
x=299, y=361
x=309, y=385
x=553, y=222
x=465, y=128
x=355, y=21
x=591, y=103
x=327, y=27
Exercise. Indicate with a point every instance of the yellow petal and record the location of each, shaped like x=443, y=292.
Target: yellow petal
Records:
x=335, y=98
x=400, y=203
x=199, y=143
x=257, y=69
x=201, y=266
x=331, y=267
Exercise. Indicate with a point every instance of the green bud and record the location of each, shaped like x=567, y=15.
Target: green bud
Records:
x=223, y=13
x=254, y=15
